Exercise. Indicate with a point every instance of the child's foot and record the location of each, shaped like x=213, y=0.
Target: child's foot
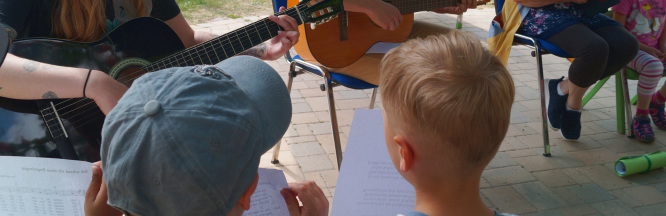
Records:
x=641, y=129
x=658, y=115
x=571, y=125
x=555, y=103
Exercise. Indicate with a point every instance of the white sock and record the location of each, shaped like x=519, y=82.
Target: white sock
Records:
x=559, y=90
x=569, y=109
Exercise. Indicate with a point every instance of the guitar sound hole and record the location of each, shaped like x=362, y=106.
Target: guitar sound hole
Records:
x=129, y=74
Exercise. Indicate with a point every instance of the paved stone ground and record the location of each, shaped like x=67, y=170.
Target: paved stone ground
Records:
x=577, y=180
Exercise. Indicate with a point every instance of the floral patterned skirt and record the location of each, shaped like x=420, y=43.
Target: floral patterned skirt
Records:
x=547, y=21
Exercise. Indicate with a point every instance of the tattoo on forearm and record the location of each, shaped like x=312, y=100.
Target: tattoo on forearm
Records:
x=50, y=95
x=51, y=67
x=256, y=51
x=30, y=66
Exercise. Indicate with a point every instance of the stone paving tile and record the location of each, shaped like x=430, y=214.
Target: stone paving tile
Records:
x=314, y=163
x=511, y=143
x=306, y=149
x=646, y=195
x=506, y=199
x=300, y=108
x=656, y=209
x=321, y=128
x=300, y=139
x=569, y=197
x=562, y=159
x=353, y=94
x=591, y=193
x=522, y=153
x=540, y=196
x=554, y=178
x=578, y=210
x=626, y=198
x=604, y=177
x=507, y=175
x=535, y=163
x=595, y=156
x=501, y=159
x=301, y=118
x=614, y=207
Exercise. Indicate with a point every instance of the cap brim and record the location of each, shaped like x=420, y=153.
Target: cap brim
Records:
x=267, y=90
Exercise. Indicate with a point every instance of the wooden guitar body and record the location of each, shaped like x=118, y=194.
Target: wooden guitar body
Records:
x=324, y=45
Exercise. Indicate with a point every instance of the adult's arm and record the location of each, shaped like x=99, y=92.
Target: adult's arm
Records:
x=269, y=50
x=22, y=78
x=381, y=13
x=541, y=3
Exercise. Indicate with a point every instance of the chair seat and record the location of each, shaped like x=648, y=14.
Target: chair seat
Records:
x=551, y=48
x=347, y=81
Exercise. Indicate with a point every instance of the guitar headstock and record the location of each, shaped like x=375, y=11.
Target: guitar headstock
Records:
x=319, y=11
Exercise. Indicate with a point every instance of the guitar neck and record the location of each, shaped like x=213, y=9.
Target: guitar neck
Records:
x=227, y=45
x=411, y=6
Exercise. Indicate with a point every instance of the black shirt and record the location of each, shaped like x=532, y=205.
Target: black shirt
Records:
x=32, y=18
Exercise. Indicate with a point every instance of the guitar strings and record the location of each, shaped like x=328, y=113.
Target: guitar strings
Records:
x=197, y=51
x=171, y=64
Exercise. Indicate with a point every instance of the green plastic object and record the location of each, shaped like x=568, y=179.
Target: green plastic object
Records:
x=640, y=164
x=459, y=22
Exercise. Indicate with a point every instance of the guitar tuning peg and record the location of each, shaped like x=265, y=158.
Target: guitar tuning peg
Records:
x=313, y=25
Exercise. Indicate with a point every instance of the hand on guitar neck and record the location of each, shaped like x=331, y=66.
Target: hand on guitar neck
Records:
x=388, y=17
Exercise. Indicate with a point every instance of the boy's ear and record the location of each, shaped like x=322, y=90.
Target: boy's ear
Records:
x=406, y=153
x=245, y=198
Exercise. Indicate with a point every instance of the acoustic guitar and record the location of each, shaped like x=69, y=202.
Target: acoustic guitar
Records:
x=71, y=128
x=345, y=39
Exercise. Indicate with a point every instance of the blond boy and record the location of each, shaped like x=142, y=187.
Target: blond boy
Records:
x=447, y=104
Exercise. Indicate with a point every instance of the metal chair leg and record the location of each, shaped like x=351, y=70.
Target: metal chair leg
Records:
x=628, y=116
x=544, y=114
x=292, y=74
x=372, y=99
x=334, y=121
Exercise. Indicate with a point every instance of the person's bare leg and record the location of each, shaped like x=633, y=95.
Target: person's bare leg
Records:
x=575, y=100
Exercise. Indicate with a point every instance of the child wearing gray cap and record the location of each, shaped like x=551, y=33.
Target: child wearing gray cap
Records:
x=187, y=141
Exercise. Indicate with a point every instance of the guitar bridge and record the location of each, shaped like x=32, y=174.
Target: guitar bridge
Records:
x=62, y=127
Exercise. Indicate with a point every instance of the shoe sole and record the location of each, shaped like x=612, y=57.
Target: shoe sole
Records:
x=571, y=140
x=546, y=86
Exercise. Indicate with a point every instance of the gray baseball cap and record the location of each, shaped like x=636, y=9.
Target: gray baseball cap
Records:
x=187, y=141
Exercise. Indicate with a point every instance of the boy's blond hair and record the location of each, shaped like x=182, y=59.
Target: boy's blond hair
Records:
x=450, y=88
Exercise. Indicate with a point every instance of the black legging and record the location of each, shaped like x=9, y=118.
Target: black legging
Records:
x=599, y=53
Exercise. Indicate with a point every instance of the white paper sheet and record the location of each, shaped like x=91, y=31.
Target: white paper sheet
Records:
x=382, y=47
x=267, y=200
x=32, y=186
x=368, y=183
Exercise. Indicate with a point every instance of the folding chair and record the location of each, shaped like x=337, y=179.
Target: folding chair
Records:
x=331, y=79
x=540, y=47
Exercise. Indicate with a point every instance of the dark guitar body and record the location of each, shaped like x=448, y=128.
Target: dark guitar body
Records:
x=26, y=131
